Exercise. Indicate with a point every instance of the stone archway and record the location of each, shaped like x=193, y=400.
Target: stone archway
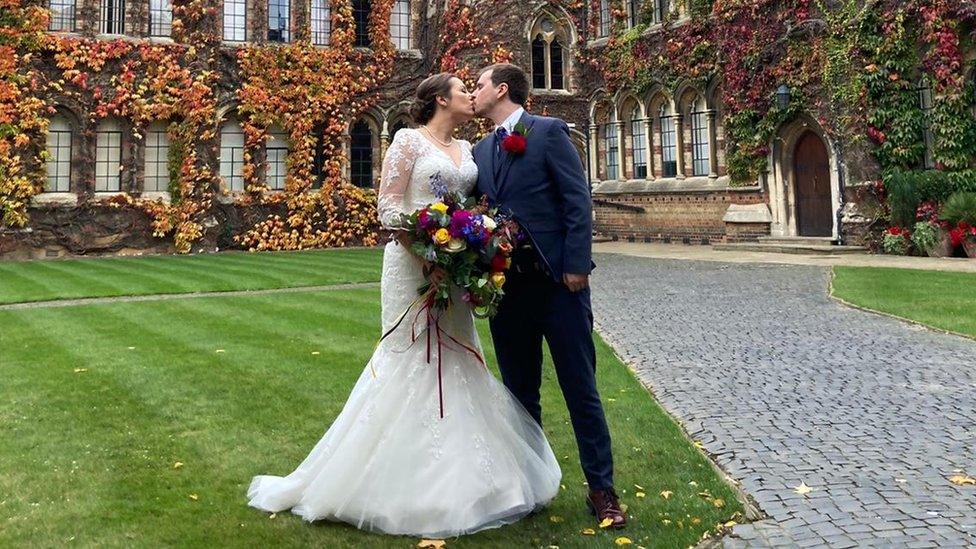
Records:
x=804, y=182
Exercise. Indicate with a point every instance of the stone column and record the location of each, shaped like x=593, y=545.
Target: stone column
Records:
x=621, y=152
x=593, y=153
x=649, y=147
x=679, y=138
x=712, y=146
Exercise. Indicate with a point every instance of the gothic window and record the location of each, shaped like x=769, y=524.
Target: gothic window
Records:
x=637, y=128
x=610, y=149
x=108, y=157
x=361, y=154
x=160, y=18
x=235, y=20
x=659, y=10
x=360, y=13
x=59, y=163
x=277, y=154
x=700, y=146
x=669, y=142
x=112, y=20
x=633, y=12
x=62, y=15
x=549, y=54
x=156, y=175
x=321, y=22
x=232, y=155
x=279, y=19
x=400, y=24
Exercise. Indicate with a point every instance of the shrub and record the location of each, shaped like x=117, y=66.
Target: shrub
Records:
x=896, y=241
x=960, y=208
x=926, y=235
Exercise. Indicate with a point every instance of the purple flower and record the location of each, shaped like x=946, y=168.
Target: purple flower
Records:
x=460, y=220
x=438, y=187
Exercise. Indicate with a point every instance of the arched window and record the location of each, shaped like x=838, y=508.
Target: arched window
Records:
x=108, y=156
x=277, y=154
x=360, y=12
x=397, y=126
x=669, y=142
x=59, y=163
x=156, y=172
x=549, y=54
x=361, y=154
x=321, y=22
x=62, y=15
x=925, y=104
x=633, y=12
x=636, y=127
x=235, y=20
x=112, y=20
x=400, y=25
x=232, y=155
x=279, y=20
x=604, y=22
x=700, y=146
x=160, y=18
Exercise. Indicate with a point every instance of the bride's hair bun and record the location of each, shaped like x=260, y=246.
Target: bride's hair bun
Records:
x=425, y=103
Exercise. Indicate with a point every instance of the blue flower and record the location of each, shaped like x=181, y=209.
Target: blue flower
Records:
x=438, y=187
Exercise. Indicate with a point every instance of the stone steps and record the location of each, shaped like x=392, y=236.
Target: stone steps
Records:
x=802, y=249
x=798, y=240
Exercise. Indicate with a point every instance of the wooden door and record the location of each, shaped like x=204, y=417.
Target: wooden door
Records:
x=811, y=172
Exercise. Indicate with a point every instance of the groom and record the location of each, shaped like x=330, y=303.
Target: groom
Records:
x=540, y=181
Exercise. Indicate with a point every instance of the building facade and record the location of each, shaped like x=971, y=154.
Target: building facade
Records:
x=262, y=123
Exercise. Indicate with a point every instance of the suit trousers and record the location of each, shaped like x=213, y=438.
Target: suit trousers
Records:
x=536, y=307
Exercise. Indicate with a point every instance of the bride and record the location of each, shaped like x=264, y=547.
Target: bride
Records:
x=390, y=463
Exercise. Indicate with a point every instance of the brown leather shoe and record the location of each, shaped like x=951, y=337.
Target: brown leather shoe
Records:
x=605, y=505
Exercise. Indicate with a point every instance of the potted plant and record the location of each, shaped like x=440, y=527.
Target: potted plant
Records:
x=932, y=239
x=960, y=211
x=896, y=241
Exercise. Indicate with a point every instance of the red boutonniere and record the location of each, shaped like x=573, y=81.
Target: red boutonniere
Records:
x=516, y=141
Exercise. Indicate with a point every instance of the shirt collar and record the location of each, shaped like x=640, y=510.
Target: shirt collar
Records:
x=512, y=120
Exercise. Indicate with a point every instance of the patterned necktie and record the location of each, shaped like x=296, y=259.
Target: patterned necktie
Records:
x=501, y=133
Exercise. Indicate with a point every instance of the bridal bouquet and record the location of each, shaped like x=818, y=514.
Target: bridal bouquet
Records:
x=471, y=242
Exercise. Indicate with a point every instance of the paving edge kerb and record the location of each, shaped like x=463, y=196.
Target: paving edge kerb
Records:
x=753, y=513
x=929, y=327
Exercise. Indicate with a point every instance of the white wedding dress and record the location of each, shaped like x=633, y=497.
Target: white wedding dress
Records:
x=390, y=463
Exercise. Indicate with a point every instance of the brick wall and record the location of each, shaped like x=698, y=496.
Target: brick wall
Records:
x=673, y=217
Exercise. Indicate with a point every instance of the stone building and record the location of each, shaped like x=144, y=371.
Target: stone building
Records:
x=655, y=142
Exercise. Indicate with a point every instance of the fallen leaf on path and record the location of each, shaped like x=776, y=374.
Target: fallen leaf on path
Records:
x=666, y=494
x=432, y=543
x=177, y=465
x=638, y=487
x=588, y=532
x=640, y=495
x=273, y=516
x=718, y=503
x=803, y=489
x=963, y=480
x=194, y=497
x=220, y=351
x=556, y=519
x=80, y=370
x=606, y=523
x=623, y=541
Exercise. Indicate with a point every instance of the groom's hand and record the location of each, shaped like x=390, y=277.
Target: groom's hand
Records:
x=576, y=282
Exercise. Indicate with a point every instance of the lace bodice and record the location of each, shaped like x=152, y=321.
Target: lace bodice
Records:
x=410, y=163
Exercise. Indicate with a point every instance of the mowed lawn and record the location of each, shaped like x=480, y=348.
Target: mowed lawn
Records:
x=943, y=300
x=107, y=277
x=100, y=402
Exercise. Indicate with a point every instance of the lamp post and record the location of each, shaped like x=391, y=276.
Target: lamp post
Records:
x=783, y=97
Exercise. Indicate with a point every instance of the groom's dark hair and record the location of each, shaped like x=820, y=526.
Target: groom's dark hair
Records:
x=517, y=80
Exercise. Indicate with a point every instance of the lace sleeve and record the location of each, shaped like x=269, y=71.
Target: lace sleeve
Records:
x=397, y=169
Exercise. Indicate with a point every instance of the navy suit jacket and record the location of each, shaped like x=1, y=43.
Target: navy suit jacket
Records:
x=546, y=191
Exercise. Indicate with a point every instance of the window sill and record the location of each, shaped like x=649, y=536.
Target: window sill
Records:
x=161, y=196
x=411, y=53
x=55, y=198
x=599, y=42
x=669, y=185
x=551, y=93
x=166, y=40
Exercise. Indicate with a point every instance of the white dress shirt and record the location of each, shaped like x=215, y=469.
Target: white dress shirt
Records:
x=512, y=120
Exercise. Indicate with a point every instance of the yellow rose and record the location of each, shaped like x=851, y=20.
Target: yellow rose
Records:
x=442, y=237
x=439, y=207
x=498, y=279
